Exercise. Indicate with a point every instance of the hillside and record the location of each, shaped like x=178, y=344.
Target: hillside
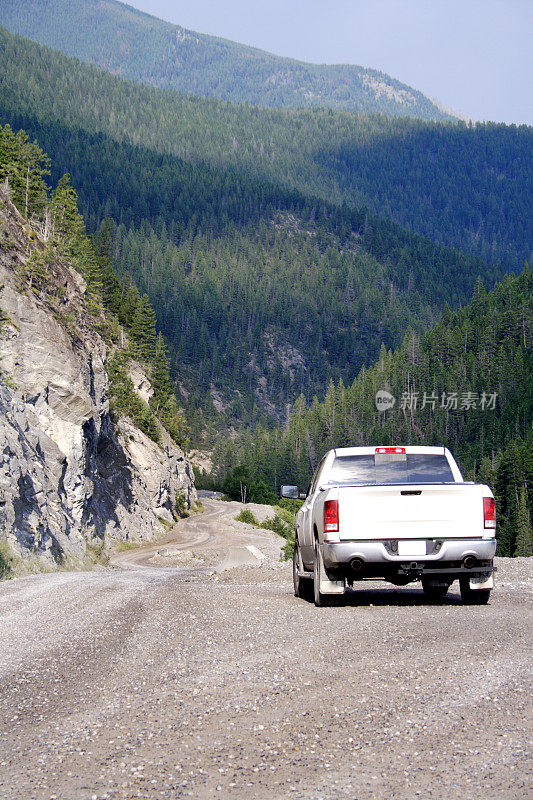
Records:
x=467, y=383
x=135, y=45
x=466, y=187
x=89, y=425
x=262, y=293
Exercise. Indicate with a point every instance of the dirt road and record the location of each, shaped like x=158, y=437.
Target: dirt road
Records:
x=179, y=681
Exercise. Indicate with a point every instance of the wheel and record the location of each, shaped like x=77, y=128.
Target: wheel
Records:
x=435, y=590
x=318, y=574
x=473, y=597
x=302, y=584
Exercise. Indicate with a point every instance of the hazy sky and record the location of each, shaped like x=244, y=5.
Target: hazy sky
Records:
x=474, y=56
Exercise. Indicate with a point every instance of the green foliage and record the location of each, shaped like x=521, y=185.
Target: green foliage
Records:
x=69, y=227
x=160, y=373
x=246, y=516
x=173, y=420
x=288, y=549
x=24, y=165
x=289, y=508
x=134, y=45
x=142, y=329
x=4, y=316
x=121, y=547
x=192, y=212
x=68, y=320
x=484, y=348
x=6, y=242
x=64, y=230
x=287, y=511
x=37, y=268
x=239, y=486
x=512, y=482
x=125, y=401
x=7, y=560
x=95, y=551
x=277, y=525
x=212, y=189
x=282, y=523
x=181, y=505
x=236, y=486
x=524, y=531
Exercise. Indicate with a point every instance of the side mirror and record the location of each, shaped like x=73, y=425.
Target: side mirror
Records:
x=290, y=492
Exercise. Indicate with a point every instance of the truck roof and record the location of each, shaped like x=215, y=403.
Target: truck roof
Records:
x=409, y=449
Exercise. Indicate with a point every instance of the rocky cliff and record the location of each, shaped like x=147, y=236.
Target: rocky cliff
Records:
x=71, y=478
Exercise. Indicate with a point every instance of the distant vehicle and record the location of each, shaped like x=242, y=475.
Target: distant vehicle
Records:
x=401, y=514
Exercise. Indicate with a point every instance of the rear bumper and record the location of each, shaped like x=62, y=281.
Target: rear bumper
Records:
x=377, y=559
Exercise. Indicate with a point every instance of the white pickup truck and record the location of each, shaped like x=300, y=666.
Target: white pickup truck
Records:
x=400, y=514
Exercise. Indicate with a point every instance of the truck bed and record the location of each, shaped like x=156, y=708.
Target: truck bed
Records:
x=451, y=510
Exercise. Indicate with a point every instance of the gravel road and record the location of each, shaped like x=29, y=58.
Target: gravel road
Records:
x=163, y=678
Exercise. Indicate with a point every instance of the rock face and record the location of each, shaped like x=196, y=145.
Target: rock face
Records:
x=68, y=474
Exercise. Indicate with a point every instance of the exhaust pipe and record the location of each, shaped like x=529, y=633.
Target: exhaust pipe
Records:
x=357, y=564
x=469, y=561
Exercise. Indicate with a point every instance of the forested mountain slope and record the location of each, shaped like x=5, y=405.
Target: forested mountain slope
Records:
x=135, y=45
x=467, y=187
x=261, y=292
x=467, y=383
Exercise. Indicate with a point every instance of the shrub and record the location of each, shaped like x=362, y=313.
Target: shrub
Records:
x=288, y=549
x=246, y=516
x=290, y=505
x=181, y=506
x=6, y=560
x=277, y=525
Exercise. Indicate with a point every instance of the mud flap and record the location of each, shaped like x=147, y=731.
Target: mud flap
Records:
x=481, y=583
x=331, y=587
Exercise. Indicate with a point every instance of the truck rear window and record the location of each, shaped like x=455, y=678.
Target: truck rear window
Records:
x=391, y=468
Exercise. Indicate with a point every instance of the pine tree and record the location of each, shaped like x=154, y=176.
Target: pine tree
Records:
x=24, y=164
x=160, y=374
x=37, y=268
x=524, y=532
x=142, y=329
x=68, y=223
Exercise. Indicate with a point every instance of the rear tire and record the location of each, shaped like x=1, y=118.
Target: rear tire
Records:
x=473, y=597
x=302, y=585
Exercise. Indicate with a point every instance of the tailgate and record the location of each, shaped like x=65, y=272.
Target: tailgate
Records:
x=411, y=511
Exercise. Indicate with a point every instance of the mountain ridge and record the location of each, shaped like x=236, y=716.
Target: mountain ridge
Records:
x=464, y=186
x=196, y=188
x=137, y=45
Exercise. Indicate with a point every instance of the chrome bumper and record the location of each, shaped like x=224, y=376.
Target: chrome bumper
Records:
x=373, y=553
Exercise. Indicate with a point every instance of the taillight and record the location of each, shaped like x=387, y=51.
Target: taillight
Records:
x=331, y=516
x=489, y=512
x=400, y=450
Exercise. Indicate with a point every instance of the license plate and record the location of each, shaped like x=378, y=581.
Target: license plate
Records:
x=415, y=547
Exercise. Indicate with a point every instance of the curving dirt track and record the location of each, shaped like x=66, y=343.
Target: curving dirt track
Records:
x=156, y=681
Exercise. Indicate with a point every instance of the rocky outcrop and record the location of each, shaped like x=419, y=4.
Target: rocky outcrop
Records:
x=69, y=475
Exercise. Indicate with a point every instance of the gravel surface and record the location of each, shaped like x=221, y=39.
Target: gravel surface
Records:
x=146, y=681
